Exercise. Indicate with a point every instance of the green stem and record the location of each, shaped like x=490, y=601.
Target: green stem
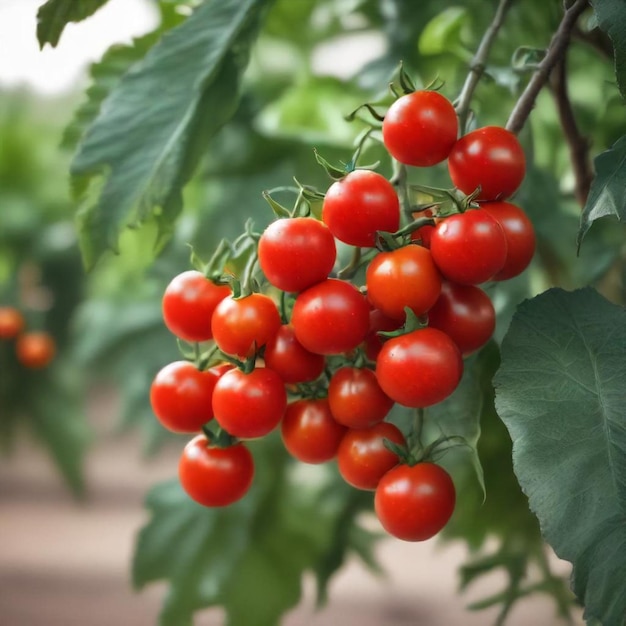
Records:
x=477, y=66
x=349, y=270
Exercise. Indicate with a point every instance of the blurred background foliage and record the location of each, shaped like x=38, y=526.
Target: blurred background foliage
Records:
x=314, y=62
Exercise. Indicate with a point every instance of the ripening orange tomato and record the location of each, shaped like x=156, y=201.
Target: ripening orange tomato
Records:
x=35, y=350
x=11, y=322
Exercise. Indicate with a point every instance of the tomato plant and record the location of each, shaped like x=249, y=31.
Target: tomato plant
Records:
x=415, y=502
x=215, y=476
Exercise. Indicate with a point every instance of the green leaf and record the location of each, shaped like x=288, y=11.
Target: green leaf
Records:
x=154, y=126
x=54, y=16
x=561, y=392
x=249, y=558
x=607, y=195
x=611, y=16
x=442, y=33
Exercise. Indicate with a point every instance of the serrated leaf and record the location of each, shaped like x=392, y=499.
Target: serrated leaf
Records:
x=55, y=15
x=607, y=195
x=611, y=16
x=247, y=558
x=561, y=392
x=154, y=126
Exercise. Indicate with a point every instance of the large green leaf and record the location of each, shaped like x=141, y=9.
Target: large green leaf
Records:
x=155, y=125
x=249, y=558
x=561, y=391
x=608, y=189
x=611, y=16
x=55, y=15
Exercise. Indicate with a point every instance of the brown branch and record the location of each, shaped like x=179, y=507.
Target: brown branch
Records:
x=555, y=51
x=578, y=144
x=477, y=66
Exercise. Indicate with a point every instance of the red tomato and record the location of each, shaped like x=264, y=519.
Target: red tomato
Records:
x=360, y=204
x=490, y=158
x=296, y=253
x=188, y=304
x=406, y=277
x=378, y=322
x=310, y=432
x=181, y=396
x=215, y=476
x=356, y=399
x=362, y=457
x=35, y=350
x=469, y=248
x=520, y=237
x=420, y=128
x=415, y=503
x=244, y=324
x=420, y=368
x=331, y=317
x=11, y=322
x=249, y=405
x=465, y=313
x=290, y=360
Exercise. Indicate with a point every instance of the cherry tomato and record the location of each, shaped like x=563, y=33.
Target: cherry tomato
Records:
x=489, y=157
x=415, y=503
x=290, y=360
x=11, y=322
x=188, y=304
x=420, y=128
x=373, y=341
x=181, y=396
x=244, y=324
x=331, y=317
x=356, y=399
x=249, y=405
x=406, y=277
x=469, y=248
x=215, y=476
x=310, y=432
x=360, y=204
x=465, y=313
x=362, y=457
x=420, y=368
x=295, y=253
x=35, y=350
x=520, y=237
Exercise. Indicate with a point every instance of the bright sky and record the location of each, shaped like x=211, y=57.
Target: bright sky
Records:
x=54, y=70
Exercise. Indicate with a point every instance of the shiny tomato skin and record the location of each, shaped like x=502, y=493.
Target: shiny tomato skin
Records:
x=465, y=313
x=489, y=157
x=310, y=432
x=242, y=325
x=35, y=349
x=420, y=368
x=188, y=304
x=415, y=503
x=251, y=405
x=11, y=322
x=520, y=237
x=295, y=253
x=215, y=476
x=362, y=457
x=331, y=317
x=406, y=277
x=181, y=396
x=420, y=128
x=469, y=248
x=356, y=399
x=360, y=204
x=290, y=360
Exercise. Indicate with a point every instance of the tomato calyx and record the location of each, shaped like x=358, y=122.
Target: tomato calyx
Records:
x=411, y=323
x=218, y=437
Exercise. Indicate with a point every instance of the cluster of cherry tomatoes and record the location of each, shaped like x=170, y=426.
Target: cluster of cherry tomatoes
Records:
x=33, y=349
x=324, y=354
